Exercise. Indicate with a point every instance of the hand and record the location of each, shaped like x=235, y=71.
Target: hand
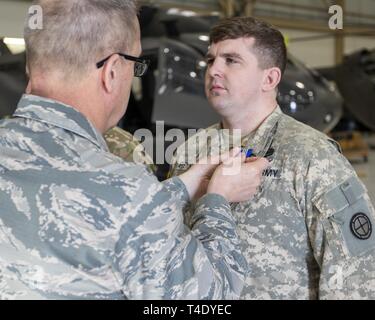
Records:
x=198, y=177
x=237, y=180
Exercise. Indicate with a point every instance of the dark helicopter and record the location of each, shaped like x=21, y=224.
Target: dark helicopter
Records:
x=173, y=89
x=359, y=95
x=12, y=79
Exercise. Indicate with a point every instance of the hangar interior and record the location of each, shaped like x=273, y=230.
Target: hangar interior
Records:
x=329, y=83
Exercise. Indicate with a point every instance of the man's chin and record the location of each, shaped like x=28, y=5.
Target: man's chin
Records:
x=218, y=107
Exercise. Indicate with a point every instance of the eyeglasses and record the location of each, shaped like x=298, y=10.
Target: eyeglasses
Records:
x=140, y=65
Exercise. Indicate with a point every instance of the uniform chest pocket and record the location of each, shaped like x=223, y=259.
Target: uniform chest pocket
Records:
x=272, y=179
x=271, y=190
x=347, y=218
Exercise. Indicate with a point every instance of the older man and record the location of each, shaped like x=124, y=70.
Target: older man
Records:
x=307, y=234
x=77, y=221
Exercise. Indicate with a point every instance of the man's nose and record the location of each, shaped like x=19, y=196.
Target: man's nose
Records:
x=215, y=70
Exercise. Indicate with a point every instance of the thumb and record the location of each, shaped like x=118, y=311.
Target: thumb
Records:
x=259, y=163
x=228, y=156
x=251, y=159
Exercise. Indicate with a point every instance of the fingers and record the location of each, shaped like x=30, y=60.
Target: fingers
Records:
x=255, y=170
x=221, y=158
x=258, y=163
x=235, y=151
x=228, y=156
x=251, y=159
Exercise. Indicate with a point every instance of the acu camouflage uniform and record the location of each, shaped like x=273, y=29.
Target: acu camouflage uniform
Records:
x=124, y=145
x=307, y=233
x=77, y=222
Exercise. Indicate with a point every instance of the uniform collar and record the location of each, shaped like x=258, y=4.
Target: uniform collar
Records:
x=60, y=115
x=258, y=138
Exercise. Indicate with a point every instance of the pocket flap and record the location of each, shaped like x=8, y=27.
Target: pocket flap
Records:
x=341, y=197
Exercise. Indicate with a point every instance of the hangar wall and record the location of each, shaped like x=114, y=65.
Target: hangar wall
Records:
x=12, y=14
x=320, y=52
x=314, y=52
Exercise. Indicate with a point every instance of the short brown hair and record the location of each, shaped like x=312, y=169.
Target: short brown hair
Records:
x=269, y=46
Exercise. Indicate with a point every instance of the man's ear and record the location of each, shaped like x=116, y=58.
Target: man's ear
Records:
x=272, y=78
x=110, y=73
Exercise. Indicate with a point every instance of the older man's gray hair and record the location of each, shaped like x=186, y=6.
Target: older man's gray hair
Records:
x=78, y=33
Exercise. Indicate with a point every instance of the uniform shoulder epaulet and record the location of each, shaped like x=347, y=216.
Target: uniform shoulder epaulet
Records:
x=124, y=145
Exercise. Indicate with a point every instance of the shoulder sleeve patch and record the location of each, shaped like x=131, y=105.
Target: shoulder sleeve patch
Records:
x=347, y=217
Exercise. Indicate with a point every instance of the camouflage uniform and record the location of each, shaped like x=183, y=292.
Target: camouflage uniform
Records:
x=124, y=145
x=307, y=233
x=78, y=222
